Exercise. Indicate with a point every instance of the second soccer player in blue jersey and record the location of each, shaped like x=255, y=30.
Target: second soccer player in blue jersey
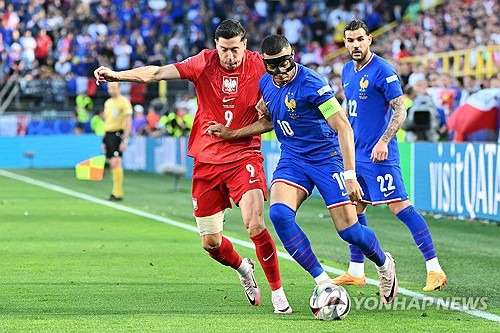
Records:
x=376, y=112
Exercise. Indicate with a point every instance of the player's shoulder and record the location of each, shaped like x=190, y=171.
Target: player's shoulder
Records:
x=309, y=76
x=265, y=80
x=253, y=56
x=348, y=67
x=254, y=62
x=382, y=65
x=205, y=56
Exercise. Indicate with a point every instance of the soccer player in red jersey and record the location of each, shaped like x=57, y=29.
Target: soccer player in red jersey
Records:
x=226, y=82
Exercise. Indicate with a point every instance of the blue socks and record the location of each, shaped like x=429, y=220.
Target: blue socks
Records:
x=293, y=238
x=356, y=253
x=364, y=238
x=419, y=230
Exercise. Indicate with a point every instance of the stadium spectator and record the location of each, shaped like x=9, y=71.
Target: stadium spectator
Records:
x=83, y=109
x=139, y=121
x=43, y=45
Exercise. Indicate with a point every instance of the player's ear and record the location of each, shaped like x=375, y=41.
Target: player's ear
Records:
x=245, y=43
x=370, y=38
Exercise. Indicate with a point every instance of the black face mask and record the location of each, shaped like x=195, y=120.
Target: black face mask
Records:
x=279, y=64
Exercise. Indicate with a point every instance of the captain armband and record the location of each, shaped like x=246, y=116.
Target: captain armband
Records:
x=330, y=107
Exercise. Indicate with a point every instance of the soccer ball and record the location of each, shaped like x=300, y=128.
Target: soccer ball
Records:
x=330, y=302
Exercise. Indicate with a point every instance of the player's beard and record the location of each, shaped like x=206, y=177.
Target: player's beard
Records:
x=358, y=57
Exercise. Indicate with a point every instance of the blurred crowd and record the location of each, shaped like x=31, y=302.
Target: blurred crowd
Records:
x=53, y=44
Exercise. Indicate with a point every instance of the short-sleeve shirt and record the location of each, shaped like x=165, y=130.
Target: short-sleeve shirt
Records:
x=368, y=92
x=116, y=110
x=228, y=97
x=298, y=122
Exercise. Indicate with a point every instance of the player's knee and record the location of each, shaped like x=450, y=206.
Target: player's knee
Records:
x=254, y=223
x=397, y=207
x=210, y=228
x=352, y=234
x=210, y=243
x=281, y=215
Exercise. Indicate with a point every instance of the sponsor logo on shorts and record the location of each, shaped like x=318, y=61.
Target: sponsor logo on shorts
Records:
x=388, y=194
x=195, y=204
x=251, y=181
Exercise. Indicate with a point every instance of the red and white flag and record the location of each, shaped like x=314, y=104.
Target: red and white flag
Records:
x=480, y=112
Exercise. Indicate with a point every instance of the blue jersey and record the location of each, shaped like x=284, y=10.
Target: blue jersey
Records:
x=300, y=126
x=368, y=92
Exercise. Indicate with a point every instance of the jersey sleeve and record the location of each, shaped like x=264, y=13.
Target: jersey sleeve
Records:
x=320, y=94
x=191, y=68
x=388, y=82
x=127, y=107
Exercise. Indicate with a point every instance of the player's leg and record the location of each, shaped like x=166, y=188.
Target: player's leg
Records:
x=112, y=142
x=436, y=278
x=355, y=274
x=289, y=189
x=248, y=188
x=351, y=231
x=210, y=201
x=328, y=179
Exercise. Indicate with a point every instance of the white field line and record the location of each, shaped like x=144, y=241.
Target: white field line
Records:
x=438, y=301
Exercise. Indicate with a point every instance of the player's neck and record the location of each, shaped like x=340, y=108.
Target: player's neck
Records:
x=359, y=64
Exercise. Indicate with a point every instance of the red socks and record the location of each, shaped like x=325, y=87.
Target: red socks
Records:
x=266, y=253
x=226, y=254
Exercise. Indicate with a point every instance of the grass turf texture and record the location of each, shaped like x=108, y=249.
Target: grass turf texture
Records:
x=72, y=265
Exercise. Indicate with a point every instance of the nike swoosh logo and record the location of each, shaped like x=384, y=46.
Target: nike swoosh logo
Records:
x=391, y=294
x=251, y=181
x=266, y=259
x=344, y=193
x=345, y=84
x=294, y=252
x=225, y=100
x=268, y=102
x=388, y=194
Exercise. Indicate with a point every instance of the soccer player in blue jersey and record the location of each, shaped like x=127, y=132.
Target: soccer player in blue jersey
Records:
x=314, y=133
x=376, y=112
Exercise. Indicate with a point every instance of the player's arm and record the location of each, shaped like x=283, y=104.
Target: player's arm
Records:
x=143, y=75
x=337, y=119
x=380, y=152
x=127, y=126
x=263, y=125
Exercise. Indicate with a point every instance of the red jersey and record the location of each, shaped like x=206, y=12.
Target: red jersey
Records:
x=228, y=97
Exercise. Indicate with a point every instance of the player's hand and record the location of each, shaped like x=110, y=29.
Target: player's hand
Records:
x=262, y=109
x=219, y=130
x=354, y=190
x=104, y=74
x=379, y=152
x=123, y=145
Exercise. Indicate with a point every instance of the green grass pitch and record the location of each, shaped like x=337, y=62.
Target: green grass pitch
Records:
x=69, y=265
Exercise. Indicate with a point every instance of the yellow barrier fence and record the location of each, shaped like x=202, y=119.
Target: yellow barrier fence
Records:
x=479, y=62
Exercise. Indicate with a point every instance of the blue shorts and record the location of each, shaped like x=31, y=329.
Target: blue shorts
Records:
x=381, y=184
x=325, y=175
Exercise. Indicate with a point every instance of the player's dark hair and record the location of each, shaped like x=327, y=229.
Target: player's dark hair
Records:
x=229, y=29
x=355, y=25
x=274, y=44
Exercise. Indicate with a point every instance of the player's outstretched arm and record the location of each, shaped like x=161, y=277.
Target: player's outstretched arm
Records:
x=380, y=152
x=144, y=75
x=339, y=122
x=262, y=125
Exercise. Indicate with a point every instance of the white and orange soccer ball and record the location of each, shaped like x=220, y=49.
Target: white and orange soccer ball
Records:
x=330, y=302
